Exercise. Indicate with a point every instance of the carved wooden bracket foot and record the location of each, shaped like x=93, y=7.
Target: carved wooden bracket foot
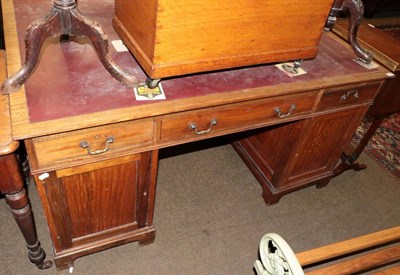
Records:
x=356, y=10
x=64, y=19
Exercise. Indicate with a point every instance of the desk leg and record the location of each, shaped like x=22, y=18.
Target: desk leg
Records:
x=12, y=184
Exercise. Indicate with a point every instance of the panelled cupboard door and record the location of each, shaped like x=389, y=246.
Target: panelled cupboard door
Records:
x=322, y=144
x=93, y=202
x=288, y=157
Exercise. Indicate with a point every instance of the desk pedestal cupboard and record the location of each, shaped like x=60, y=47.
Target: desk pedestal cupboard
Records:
x=93, y=147
x=295, y=155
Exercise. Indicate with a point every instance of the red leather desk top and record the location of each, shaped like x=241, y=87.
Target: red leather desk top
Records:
x=70, y=80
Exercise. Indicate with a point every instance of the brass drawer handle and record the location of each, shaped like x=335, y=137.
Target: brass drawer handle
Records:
x=352, y=92
x=278, y=111
x=85, y=145
x=193, y=126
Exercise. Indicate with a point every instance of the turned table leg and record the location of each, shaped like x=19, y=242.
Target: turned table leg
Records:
x=12, y=185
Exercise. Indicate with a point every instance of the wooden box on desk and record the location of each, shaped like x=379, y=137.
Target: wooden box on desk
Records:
x=171, y=38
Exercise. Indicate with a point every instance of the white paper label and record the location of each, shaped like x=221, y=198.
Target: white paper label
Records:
x=119, y=46
x=142, y=92
x=44, y=176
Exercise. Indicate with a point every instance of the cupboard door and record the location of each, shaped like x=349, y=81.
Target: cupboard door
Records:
x=288, y=157
x=96, y=202
x=268, y=151
x=321, y=146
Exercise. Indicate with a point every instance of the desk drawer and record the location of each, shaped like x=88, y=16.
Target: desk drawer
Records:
x=337, y=98
x=217, y=121
x=94, y=144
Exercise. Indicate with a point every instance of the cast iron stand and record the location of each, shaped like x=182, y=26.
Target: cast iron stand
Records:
x=356, y=10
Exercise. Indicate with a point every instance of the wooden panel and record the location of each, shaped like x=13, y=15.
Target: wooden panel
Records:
x=93, y=204
x=235, y=117
x=52, y=196
x=101, y=199
x=322, y=146
x=62, y=150
x=272, y=148
x=194, y=36
x=337, y=98
x=291, y=156
x=140, y=20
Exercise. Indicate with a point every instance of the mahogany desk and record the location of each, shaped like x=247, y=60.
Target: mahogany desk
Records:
x=99, y=197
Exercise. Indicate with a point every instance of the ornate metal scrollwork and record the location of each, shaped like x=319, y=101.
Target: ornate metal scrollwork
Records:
x=277, y=258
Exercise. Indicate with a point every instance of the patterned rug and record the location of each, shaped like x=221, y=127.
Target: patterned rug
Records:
x=384, y=147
